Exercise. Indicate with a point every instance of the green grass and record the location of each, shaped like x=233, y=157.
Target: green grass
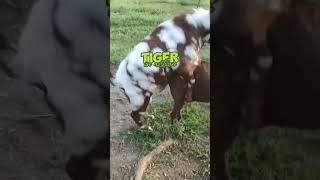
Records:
x=276, y=154
x=193, y=126
x=131, y=21
x=192, y=131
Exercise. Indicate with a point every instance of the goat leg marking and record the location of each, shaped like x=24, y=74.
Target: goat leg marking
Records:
x=146, y=114
x=192, y=81
x=136, y=115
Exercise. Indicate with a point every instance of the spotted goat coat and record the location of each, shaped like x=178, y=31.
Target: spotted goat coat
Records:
x=184, y=34
x=63, y=50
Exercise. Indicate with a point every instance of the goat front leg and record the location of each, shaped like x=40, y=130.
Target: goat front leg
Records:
x=186, y=72
x=178, y=89
x=258, y=79
x=141, y=111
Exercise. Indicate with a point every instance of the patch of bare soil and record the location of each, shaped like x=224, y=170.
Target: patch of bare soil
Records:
x=31, y=145
x=126, y=156
x=30, y=137
x=166, y=167
x=173, y=164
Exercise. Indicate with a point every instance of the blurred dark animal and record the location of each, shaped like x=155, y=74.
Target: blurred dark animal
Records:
x=250, y=93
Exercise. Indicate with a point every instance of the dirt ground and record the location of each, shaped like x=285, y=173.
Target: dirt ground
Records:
x=31, y=145
x=31, y=139
x=125, y=156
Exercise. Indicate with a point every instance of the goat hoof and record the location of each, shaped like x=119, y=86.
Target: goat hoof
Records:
x=146, y=127
x=142, y=127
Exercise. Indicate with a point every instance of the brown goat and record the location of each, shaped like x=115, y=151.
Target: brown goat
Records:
x=200, y=90
x=292, y=38
x=242, y=28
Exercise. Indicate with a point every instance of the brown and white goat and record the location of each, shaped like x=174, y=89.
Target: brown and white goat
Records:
x=200, y=90
x=63, y=50
x=184, y=34
x=246, y=92
x=242, y=29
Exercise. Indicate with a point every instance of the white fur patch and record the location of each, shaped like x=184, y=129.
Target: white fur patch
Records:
x=171, y=35
x=147, y=94
x=199, y=18
x=194, y=41
x=132, y=63
x=146, y=114
x=123, y=80
x=207, y=37
x=191, y=52
x=151, y=79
